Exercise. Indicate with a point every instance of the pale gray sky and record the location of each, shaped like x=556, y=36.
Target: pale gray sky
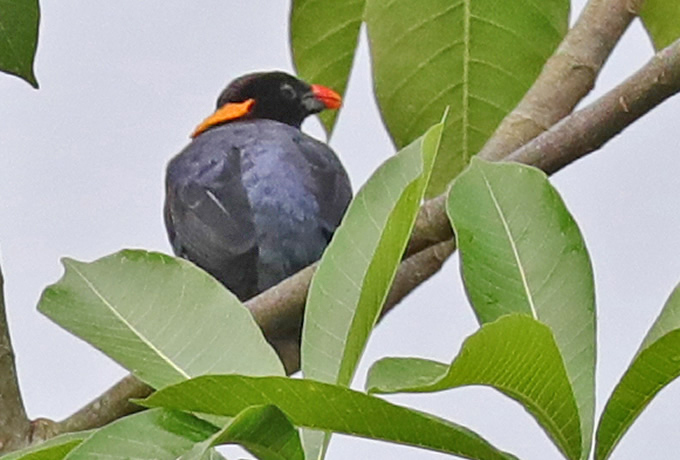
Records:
x=123, y=84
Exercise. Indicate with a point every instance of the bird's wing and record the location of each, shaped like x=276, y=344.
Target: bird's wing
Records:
x=207, y=212
x=328, y=181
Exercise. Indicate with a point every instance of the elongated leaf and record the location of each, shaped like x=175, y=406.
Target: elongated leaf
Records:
x=478, y=57
x=656, y=364
x=327, y=407
x=522, y=252
x=162, y=318
x=323, y=39
x=19, y=21
x=264, y=431
x=52, y=449
x=662, y=20
x=357, y=269
x=154, y=435
x=517, y=355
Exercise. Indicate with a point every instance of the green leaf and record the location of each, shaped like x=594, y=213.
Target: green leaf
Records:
x=323, y=39
x=517, y=355
x=264, y=431
x=52, y=449
x=522, y=252
x=661, y=18
x=326, y=407
x=19, y=21
x=656, y=364
x=356, y=270
x=153, y=434
x=478, y=57
x=160, y=317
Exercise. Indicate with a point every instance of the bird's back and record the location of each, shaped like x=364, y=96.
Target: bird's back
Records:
x=253, y=202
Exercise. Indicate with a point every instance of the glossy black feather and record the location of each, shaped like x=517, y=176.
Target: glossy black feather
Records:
x=254, y=201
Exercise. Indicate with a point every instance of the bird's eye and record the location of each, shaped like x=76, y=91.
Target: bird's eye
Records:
x=287, y=91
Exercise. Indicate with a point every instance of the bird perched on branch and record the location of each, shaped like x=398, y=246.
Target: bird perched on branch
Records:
x=252, y=199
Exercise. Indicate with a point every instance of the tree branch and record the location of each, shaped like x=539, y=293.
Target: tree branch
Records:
x=432, y=225
x=279, y=310
x=109, y=406
x=588, y=129
x=567, y=77
x=15, y=427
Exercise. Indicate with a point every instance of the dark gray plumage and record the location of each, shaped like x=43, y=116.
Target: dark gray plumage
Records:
x=253, y=201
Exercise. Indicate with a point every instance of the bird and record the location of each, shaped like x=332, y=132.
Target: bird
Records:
x=252, y=199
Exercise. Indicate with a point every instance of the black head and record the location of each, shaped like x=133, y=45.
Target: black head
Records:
x=279, y=96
